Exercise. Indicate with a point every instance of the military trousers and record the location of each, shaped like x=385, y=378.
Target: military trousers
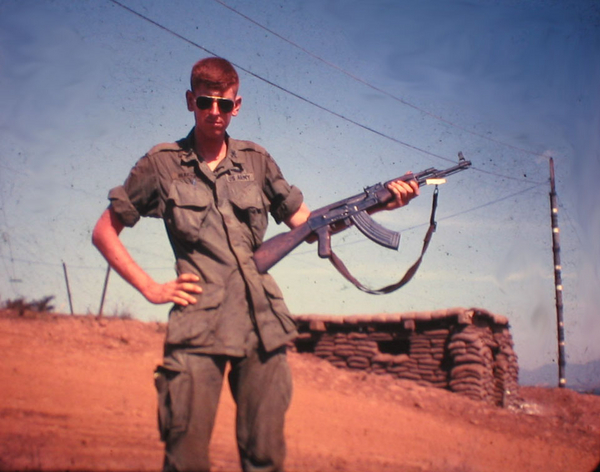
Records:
x=189, y=387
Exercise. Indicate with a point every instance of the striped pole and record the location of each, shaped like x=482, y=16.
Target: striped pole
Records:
x=558, y=288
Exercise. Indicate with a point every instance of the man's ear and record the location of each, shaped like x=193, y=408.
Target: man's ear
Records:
x=236, y=105
x=189, y=98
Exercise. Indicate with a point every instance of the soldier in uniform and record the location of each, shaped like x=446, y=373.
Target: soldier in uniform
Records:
x=214, y=194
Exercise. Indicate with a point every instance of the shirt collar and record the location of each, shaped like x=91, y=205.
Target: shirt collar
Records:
x=187, y=145
x=233, y=147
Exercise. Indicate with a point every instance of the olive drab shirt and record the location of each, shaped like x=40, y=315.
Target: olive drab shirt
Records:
x=215, y=220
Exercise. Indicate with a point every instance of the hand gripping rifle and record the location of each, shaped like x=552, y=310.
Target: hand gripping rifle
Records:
x=355, y=211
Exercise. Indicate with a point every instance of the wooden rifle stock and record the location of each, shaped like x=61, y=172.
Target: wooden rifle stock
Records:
x=279, y=246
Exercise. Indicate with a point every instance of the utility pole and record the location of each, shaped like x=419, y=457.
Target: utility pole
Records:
x=558, y=288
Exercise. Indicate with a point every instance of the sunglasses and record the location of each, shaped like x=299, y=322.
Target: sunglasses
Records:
x=204, y=102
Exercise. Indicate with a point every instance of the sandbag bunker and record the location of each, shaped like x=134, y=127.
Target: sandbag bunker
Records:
x=467, y=351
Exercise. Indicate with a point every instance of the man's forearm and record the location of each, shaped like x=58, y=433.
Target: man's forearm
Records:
x=106, y=239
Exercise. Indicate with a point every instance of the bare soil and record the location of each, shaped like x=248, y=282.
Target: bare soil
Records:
x=78, y=394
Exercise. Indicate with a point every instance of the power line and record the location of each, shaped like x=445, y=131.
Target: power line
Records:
x=283, y=89
x=304, y=99
x=454, y=215
x=71, y=266
x=42, y=263
x=13, y=170
x=570, y=221
x=297, y=253
x=469, y=210
x=508, y=177
x=493, y=202
x=65, y=186
x=373, y=87
x=6, y=239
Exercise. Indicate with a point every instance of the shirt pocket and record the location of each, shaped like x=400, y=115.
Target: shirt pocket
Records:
x=195, y=324
x=278, y=306
x=251, y=209
x=186, y=209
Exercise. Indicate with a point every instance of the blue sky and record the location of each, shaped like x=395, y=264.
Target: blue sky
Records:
x=89, y=87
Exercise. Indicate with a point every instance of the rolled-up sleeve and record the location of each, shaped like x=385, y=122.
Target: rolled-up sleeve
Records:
x=285, y=199
x=138, y=196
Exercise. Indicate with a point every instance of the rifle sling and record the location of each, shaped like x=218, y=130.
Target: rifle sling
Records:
x=342, y=269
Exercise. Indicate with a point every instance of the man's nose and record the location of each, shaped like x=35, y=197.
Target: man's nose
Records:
x=214, y=108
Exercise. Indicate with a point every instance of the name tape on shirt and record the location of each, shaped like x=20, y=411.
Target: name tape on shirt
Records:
x=240, y=178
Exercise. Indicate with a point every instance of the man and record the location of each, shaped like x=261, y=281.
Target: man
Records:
x=214, y=194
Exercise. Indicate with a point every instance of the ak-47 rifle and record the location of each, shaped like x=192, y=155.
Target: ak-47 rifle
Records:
x=355, y=211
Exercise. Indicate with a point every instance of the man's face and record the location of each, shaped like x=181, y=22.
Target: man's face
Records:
x=212, y=114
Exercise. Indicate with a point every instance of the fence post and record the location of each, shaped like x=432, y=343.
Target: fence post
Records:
x=104, y=291
x=68, y=288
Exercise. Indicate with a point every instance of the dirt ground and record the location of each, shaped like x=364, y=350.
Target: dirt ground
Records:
x=78, y=394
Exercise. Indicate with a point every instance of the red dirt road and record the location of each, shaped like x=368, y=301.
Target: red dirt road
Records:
x=77, y=394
